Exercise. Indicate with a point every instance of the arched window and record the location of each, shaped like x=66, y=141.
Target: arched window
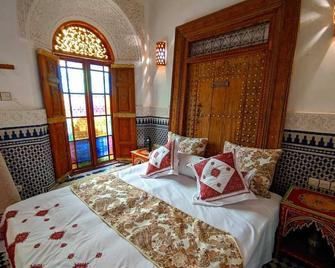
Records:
x=85, y=58
x=80, y=39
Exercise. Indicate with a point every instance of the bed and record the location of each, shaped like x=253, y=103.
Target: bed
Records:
x=69, y=234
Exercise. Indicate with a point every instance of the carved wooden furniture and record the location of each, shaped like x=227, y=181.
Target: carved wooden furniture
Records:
x=300, y=209
x=139, y=156
x=231, y=74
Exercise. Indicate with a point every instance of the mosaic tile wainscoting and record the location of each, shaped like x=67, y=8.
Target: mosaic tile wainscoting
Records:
x=25, y=145
x=305, y=155
x=154, y=127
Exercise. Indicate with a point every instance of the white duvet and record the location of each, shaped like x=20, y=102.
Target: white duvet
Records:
x=68, y=234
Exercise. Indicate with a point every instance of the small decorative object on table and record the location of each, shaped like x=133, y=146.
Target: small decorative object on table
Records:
x=148, y=144
x=307, y=227
x=139, y=156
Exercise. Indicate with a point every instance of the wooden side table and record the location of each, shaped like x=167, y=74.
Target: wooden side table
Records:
x=139, y=156
x=301, y=209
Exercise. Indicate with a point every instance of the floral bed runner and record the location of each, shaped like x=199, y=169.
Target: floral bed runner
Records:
x=165, y=235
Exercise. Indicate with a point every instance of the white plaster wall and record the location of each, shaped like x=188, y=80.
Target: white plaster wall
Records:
x=313, y=79
x=22, y=82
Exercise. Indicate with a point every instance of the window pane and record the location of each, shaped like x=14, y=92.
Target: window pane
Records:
x=73, y=153
x=83, y=151
x=109, y=125
x=108, y=104
x=96, y=67
x=97, y=82
x=62, y=63
x=78, y=104
x=74, y=64
x=103, y=159
x=64, y=79
x=106, y=69
x=100, y=126
x=107, y=90
x=67, y=105
x=99, y=105
x=102, y=146
x=69, y=129
x=76, y=81
x=110, y=145
x=80, y=128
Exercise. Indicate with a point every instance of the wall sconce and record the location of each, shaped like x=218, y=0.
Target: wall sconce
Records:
x=161, y=53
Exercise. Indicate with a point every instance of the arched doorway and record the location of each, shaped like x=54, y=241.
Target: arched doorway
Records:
x=85, y=59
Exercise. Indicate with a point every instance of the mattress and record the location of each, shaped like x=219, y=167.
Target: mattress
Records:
x=61, y=231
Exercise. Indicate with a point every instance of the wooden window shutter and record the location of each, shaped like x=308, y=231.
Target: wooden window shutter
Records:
x=123, y=109
x=54, y=106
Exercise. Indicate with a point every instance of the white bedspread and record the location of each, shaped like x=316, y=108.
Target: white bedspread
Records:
x=83, y=239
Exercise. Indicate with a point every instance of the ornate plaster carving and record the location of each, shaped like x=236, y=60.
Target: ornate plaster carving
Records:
x=323, y=123
x=22, y=118
x=38, y=19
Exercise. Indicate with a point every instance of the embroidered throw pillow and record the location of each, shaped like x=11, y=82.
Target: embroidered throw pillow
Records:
x=218, y=180
x=195, y=146
x=163, y=161
x=260, y=164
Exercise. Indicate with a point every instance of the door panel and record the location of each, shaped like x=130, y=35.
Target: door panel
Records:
x=225, y=100
x=54, y=106
x=123, y=108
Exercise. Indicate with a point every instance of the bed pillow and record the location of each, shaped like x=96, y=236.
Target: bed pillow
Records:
x=163, y=161
x=218, y=180
x=187, y=145
x=260, y=164
x=184, y=160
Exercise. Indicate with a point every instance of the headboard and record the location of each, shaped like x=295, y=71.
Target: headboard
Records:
x=231, y=74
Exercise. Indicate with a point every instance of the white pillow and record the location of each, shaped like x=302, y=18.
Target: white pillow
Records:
x=184, y=161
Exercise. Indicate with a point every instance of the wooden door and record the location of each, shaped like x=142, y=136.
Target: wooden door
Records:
x=231, y=73
x=123, y=110
x=54, y=106
x=227, y=100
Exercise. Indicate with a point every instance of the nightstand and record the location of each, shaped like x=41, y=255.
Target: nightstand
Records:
x=139, y=156
x=307, y=227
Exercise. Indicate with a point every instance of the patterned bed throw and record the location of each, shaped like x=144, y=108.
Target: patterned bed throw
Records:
x=165, y=235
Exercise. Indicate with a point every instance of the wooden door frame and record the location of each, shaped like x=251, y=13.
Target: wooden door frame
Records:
x=283, y=16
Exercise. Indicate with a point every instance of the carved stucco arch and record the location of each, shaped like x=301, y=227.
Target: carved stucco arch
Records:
x=38, y=20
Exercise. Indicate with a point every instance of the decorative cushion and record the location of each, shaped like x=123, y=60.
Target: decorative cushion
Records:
x=163, y=161
x=187, y=145
x=8, y=192
x=184, y=161
x=260, y=164
x=217, y=179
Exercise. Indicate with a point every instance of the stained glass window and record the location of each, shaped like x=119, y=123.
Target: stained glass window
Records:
x=78, y=40
x=79, y=100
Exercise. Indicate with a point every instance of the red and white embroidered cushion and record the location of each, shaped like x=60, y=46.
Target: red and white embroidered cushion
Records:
x=163, y=161
x=217, y=179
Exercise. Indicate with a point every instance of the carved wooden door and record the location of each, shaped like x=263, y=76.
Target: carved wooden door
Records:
x=54, y=106
x=226, y=100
